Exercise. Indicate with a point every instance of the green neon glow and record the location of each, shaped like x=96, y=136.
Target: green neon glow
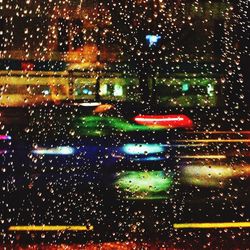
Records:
x=100, y=126
x=144, y=185
x=185, y=87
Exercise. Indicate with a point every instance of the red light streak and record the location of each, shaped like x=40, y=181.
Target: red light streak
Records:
x=166, y=121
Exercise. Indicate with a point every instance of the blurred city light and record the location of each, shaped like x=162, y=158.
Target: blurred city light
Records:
x=152, y=39
x=144, y=184
x=63, y=150
x=5, y=137
x=142, y=149
x=166, y=121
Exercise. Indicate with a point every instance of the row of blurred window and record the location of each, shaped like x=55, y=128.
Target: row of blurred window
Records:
x=201, y=91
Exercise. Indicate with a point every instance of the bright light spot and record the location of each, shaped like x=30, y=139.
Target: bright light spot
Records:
x=210, y=89
x=152, y=39
x=85, y=91
x=45, y=92
x=118, y=90
x=185, y=87
x=103, y=89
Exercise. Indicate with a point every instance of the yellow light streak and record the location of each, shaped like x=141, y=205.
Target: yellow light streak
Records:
x=50, y=228
x=219, y=132
x=33, y=73
x=216, y=140
x=212, y=225
x=203, y=157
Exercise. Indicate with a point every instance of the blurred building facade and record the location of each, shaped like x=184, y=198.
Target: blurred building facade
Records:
x=53, y=30
x=82, y=30
x=197, y=39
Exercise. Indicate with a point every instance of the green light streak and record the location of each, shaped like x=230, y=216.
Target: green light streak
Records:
x=100, y=126
x=144, y=185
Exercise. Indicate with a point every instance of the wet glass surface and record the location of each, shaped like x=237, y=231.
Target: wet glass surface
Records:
x=124, y=124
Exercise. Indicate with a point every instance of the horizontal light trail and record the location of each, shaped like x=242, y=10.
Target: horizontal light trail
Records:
x=5, y=137
x=61, y=150
x=188, y=145
x=88, y=104
x=212, y=225
x=50, y=228
x=219, y=132
x=202, y=157
x=216, y=140
x=158, y=119
x=33, y=73
x=165, y=121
